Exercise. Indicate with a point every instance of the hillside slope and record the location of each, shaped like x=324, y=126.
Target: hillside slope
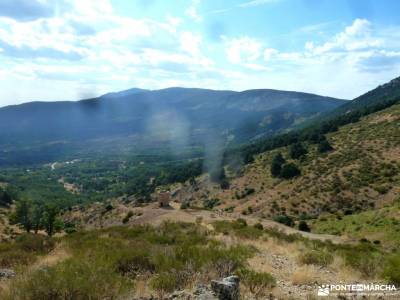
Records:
x=383, y=93
x=361, y=173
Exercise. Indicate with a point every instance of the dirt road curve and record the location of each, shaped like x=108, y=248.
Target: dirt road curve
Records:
x=157, y=215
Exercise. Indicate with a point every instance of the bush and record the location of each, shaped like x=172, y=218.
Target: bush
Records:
x=324, y=146
x=290, y=170
x=241, y=222
x=259, y=226
x=185, y=205
x=364, y=258
x=104, y=263
x=11, y=257
x=316, y=257
x=297, y=150
x=78, y=279
x=127, y=217
x=69, y=228
x=239, y=228
x=303, y=226
x=276, y=164
x=391, y=270
x=133, y=264
x=211, y=203
x=164, y=283
x=24, y=250
x=286, y=220
x=35, y=243
x=258, y=283
x=109, y=207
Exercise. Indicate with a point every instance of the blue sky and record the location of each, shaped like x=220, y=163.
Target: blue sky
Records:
x=73, y=49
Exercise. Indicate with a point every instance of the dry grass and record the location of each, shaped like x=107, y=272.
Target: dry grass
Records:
x=142, y=289
x=306, y=275
x=57, y=255
x=345, y=273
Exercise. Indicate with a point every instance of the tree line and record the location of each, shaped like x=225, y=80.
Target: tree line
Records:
x=37, y=216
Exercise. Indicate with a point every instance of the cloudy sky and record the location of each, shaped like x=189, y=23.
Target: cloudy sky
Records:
x=73, y=49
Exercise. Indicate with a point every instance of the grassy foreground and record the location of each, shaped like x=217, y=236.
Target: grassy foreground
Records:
x=139, y=261
x=120, y=261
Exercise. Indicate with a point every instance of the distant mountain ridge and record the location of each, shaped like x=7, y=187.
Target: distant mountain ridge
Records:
x=385, y=92
x=178, y=118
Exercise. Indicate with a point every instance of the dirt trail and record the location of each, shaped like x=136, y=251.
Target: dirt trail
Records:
x=156, y=216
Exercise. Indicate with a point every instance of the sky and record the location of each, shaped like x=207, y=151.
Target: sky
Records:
x=73, y=49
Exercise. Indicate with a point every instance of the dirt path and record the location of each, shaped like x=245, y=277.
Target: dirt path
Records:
x=157, y=215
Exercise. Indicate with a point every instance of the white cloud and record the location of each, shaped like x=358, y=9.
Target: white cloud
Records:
x=269, y=53
x=173, y=21
x=254, y=3
x=89, y=46
x=192, y=11
x=354, y=37
x=190, y=43
x=244, y=49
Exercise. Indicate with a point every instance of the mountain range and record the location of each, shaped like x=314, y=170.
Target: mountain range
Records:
x=172, y=120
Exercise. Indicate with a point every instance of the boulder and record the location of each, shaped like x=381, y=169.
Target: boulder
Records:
x=201, y=292
x=227, y=288
x=6, y=273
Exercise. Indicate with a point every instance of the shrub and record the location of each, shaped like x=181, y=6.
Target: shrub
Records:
x=95, y=281
x=258, y=226
x=109, y=207
x=303, y=226
x=280, y=235
x=24, y=250
x=290, y=170
x=239, y=228
x=185, y=205
x=127, y=217
x=383, y=189
x=363, y=258
x=276, y=164
x=35, y=243
x=286, y=220
x=241, y=222
x=69, y=228
x=164, y=283
x=316, y=257
x=13, y=257
x=258, y=283
x=297, y=150
x=391, y=270
x=324, y=146
x=211, y=203
x=132, y=264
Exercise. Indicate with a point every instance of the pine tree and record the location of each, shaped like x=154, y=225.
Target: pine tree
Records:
x=324, y=146
x=23, y=214
x=276, y=164
x=289, y=171
x=297, y=150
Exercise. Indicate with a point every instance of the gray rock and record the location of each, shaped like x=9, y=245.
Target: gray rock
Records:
x=201, y=292
x=6, y=273
x=227, y=288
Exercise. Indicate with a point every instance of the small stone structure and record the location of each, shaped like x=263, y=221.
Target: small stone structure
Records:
x=164, y=199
